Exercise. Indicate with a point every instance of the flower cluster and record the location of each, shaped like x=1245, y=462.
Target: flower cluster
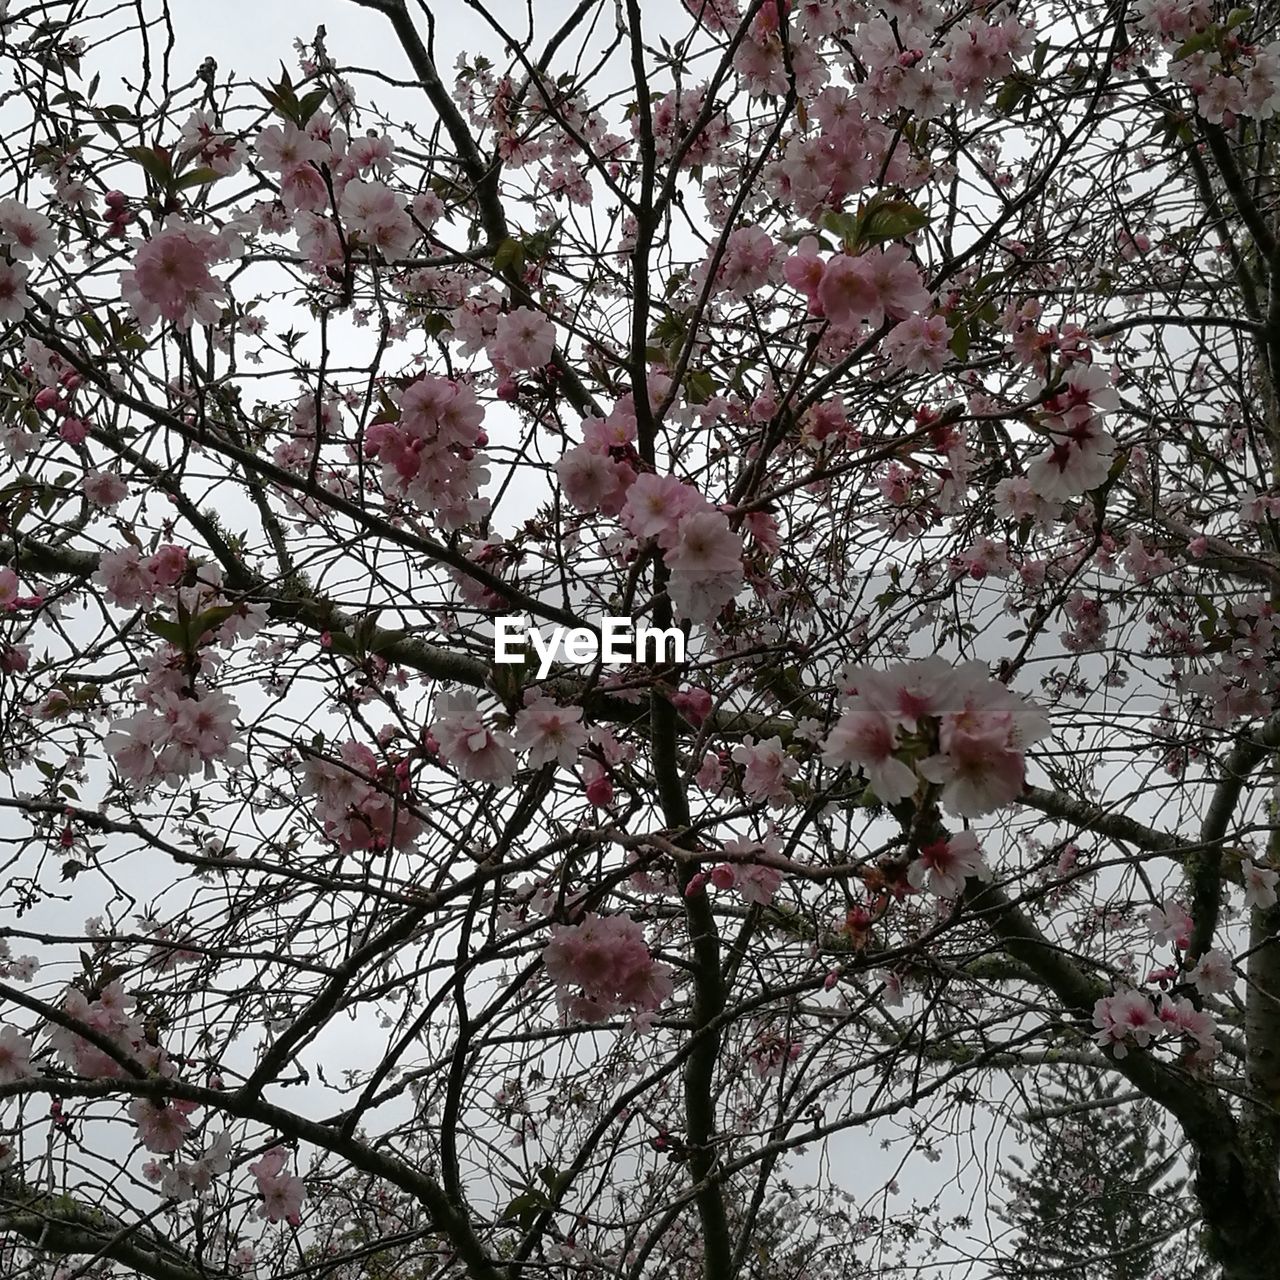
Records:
x=170, y=279
x=431, y=454
x=478, y=753
x=931, y=722
x=1130, y=1018
x=702, y=552
x=603, y=966
x=185, y=1180
x=360, y=804
x=282, y=1193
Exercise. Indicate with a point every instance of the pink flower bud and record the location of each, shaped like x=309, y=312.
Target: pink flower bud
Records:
x=600, y=791
x=695, y=886
x=46, y=398
x=74, y=430
x=723, y=876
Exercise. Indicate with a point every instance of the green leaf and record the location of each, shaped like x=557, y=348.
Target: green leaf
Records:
x=157, y=163
x=844, y=225
x=210, y=620
x=699, y=386
x=175, y=634
x=310, y=104
x=525, y=1208
x=1014, y=89
x=1200, y=43
x=959, y=343
x=196, y=178
x=509, y=257
x=889, y=220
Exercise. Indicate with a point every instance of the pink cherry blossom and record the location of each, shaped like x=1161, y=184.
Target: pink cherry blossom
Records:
x=1213, y=974
x=1124, y=1018
x=756, y=882
x=656, y=504
x=25, y=232
x=548, y=731
x=1260, y=886
x=14, y=300
x=358, y=804
x=105, y=488
x=171, y=280
x=477, y=752
x=162, y=1126
x=747, y=262
x=867, y=739
x=282, y=1193
x=593, y=481
x=373, y=211
x=1170, y=923
x=981, y=762
x=768, y=769
x=706, y=565
x=15, y=1056
x=607, y=960
x=948, y=864
x=919, y=343
x=524, y=339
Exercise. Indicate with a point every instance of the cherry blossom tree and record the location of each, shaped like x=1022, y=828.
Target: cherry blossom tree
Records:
x=915, y=362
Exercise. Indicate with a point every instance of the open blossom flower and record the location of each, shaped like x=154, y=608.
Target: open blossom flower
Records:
x=981, y=762
x=14, y=299
x=757, y=882
x=185, y=1181
x=948, y=864
x=594, y=481
x=747, y=262
x=162, y=1126
x=282, y=1193
x=105, y=488
x=26, y=233
x=1260, y=886
x=1125, y=1017
x=915, y=691
x=171, y=280
x=768, y=769
x=867, y=739
x=1170, y=923
x=656, y=504
x=607, y=959
x=1180, y=1017
x=705, y=564
x=374, y=212
x=548, y=731
x=871, y=286
x=15, y=1056
x=282, y=149
x=1213, y=974
x=524, y=339
x=466, y=742
x=919, y=343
